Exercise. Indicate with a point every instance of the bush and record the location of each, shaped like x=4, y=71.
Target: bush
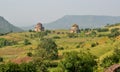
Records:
x=1, y=59
x=56, y=37
x=78, y=62
x=71, y=35
x=113, y=59
x=102, y=29
x=78, y=46
x=5, y=42
x=114, y=34
x=50, y=47
x=29, y=54
x=26, y=42
x=114, y=30
x=60, y=48
x=12, y=67
x=94, y=44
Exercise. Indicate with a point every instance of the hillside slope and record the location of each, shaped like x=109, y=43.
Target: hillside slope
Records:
x=84, y=21
x=6, y=27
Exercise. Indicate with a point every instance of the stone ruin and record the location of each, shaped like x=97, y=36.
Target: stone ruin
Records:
x=39, y=27
x=74, y=29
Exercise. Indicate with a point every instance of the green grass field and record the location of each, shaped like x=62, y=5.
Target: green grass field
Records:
x=104, y=47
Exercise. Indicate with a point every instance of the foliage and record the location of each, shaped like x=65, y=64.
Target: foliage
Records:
x=78, y=62
x=114, y=32
x=50, y=47
x=72, y=35
x=109, y=60
x=1, y=59
x=12, y=67
x=94, y=44
x=41, y=65
x=5, y=42
x=28, y=67
x=56, y=37
x=29, y=54
x=30, y=30
x=102, y=29
x=26, y=42
x=60, y=48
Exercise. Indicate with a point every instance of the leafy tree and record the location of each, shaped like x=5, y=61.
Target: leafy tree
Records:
x=50, y=47
x=78, y=62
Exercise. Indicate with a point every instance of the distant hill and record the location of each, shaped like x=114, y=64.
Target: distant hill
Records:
x=6, y=27
x=84, y=21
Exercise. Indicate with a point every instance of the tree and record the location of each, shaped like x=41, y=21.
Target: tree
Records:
x=50, y=47
x=78, y=62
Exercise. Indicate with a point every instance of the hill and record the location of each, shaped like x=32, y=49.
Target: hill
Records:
x=6, y=27
x=84, y=21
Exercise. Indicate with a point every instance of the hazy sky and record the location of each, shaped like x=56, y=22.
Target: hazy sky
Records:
x=29, y=12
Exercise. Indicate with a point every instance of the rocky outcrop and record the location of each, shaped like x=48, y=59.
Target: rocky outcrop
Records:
x=74, y=29
x=113, y=68
x=39, y=27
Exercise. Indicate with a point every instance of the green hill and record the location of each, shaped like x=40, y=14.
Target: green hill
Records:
x=6, y=27
x=84, y=21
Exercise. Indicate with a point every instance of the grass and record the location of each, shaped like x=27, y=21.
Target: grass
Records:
x=104, y=48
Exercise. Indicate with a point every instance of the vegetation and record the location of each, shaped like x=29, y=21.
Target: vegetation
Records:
x=5, y=42
x=113, y=59
x=60, y=51
x=78, y=62
x=50, y=47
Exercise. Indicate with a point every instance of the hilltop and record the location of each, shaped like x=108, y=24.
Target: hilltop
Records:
x=84, y=21
x=6, y=27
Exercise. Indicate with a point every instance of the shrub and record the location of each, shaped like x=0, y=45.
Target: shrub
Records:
x=94, y=44
x=26, y=42
x=56, y=37
x=113, y=59
x=29, y=54
x=60, y=48
x=102, y=29
x=71, y=35
x=1, y=59
x=78, y=46
x=78, y=62
x=23, y=67
x=5, y=42
x=50, y=47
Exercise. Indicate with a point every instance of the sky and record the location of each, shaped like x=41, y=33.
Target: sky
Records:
x=30, y=12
